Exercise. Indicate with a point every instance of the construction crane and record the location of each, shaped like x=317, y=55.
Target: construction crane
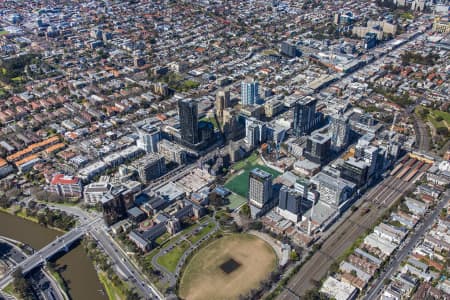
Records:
x=393, y=122
x=278, y=143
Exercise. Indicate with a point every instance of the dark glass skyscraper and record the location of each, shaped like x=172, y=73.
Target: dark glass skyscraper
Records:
x=318, y=148
x=188, y=112
x=304, y=116
x=289, y=199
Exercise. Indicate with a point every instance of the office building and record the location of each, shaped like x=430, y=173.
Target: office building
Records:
x=355, y=171
x=66, y=186
x=259, y=188
x=289, y=49
x=148, y=141
x=255, y=132
x=304, y=116
x=272, y=108
x=249, y=92
x=371, y=155
x=340, y=132
x=188, y=113
x=333, y=191
x=113, y=206
x=344, y=19
x=172, y=152
x=318, y=148
x=252, y=135
x=370, y=40
x=222, y=102
x=150, y=166
x=94, y=192
x=289, y=204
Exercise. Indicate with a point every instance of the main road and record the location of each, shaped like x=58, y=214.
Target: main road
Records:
x=121, y=260
x=400, y=256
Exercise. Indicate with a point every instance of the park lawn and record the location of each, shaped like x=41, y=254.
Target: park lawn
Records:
x=436, y=124
x=190, y=84
x=438, y=113
x=163, y=238
x=3, y=32
x=18, y=78
x=166, y=238
x=113, y=292
x=235, y=201
x=407, y=15
x=198, y=236
x=170, y=260
x=9, y=289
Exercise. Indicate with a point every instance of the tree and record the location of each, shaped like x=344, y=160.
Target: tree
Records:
x=245, y=210
x=424, y=113
x=293, y=256
x=13, y=193
x=42, y=219
x=215, y=200
x=257, y=225
x=21, y=285
x=132, y=295
x=4, y=202
x=314, y=295
x=442, y=131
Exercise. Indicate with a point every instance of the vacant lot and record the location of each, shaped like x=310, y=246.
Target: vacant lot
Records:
x=253, y=260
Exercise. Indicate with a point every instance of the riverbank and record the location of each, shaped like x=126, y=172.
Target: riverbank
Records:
x=20, y=212
x=75, y=267
x=114, y=292
x=59, y=281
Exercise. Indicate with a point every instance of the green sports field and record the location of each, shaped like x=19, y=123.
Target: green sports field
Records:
x=239, y=182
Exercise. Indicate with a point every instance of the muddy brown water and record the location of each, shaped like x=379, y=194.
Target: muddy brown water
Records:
x=76, y=268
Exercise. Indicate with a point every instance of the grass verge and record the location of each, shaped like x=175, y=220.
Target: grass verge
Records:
x=113, y=292
x=170, y=260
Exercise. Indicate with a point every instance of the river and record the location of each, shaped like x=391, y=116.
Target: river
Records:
x=77, y=269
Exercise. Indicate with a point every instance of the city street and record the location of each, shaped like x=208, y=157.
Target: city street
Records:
x=406, y=250
x=124, y=263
